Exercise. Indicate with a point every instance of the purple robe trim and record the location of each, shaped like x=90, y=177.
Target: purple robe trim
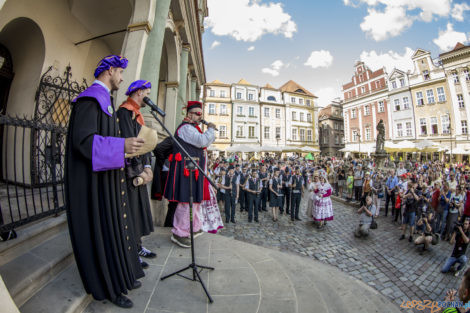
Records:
x=108, y=153
x=100, y=94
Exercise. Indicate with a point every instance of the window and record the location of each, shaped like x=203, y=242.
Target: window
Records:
x=307, y=102
x=251, y=131
x=211, y=108
x=430, y=96
x=377, y=84
x=381, y=106
x=367, y=110
x=239, y=110
x=460, y=101
x=222, y=93
x=441, y=96
x=239, y=131
x=402, y=82
x=301, y=101
x=309, y=135
x=302, y=134
x=422, y=123
x=278, y=113
x=294, y=133
x=278, y=132
x=445, y=124
x=309, y=117
x=294, y=116
x=426, y=75
x=397, y=104
x=434, y=129
x=394, y=84
x=353, y=113
x=455, y=77
x=223, y=109
x=222, y=131
x=292, y=99
x=336, y=140
x=400, y=130
x=266, y=132
x=212, y=93
x=368, y=133
x=266, y=112
x=301, y=116
x=466, y=73
x=239, y=95
x=419, y=98
x=363, y=89
x=355, y=136
x=335, y=126
x=406, y=103
x=251, y=111
x=271, y=98
x=409, y=130
x=250, y=96
x=464, y=127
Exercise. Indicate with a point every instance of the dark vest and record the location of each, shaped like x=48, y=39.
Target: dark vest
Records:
x=252, y=185
x=276, y=184
x=285, y=179
x=232, y=192
x=298, y=182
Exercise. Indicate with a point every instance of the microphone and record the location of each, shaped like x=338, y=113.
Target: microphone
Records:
x=153, y=106
x=206, y=123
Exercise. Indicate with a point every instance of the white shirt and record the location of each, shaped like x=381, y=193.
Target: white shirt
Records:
x=191, y=135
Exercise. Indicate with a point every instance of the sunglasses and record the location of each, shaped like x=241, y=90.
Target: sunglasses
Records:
x=197, y=113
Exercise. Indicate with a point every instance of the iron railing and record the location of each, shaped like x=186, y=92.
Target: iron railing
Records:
x=23, y=200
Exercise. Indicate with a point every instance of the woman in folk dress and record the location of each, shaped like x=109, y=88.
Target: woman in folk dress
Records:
x=312, y=197
x=323, y=206
x=210, y=213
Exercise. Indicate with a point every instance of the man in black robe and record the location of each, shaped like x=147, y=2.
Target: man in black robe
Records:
x=139, y=168
x=95, y=189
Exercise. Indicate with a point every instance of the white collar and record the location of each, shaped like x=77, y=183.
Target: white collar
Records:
x=99, y=82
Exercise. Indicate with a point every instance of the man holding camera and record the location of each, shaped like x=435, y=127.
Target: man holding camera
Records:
x=461, y=239
x=367, y=211
x=424, y=227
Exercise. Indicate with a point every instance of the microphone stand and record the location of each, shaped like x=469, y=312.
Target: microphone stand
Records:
x=191, y=165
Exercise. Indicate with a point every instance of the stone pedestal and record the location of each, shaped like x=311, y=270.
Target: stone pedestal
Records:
x=380, y=158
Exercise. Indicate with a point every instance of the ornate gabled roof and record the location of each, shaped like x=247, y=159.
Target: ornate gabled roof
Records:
x=293, y=87
x=244, y=82
x=217, y=83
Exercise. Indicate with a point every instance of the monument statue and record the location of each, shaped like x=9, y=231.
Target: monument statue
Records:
x=380, y=144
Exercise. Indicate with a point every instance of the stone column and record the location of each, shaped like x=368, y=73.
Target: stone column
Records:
x=153, y=49
x=172, y=101
x=194, y=95
x=183, y=81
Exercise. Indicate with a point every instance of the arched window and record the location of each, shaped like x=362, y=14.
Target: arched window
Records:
x=271, y=98
x=300, y=90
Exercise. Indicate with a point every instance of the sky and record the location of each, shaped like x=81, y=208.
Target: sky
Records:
x=316, y=43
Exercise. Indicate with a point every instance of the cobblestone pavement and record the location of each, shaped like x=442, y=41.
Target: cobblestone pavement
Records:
x=393, y=267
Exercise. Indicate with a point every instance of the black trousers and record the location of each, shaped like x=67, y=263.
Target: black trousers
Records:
x=357, y=193
x=388, y=199
x=287, y=198
x=263, y=198
x=170, y=214
x=229, y=206
x=295, y=205
x=242, y=200
x=253, y=204
x=281, y=204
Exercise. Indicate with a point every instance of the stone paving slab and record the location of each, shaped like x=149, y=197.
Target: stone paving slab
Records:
x=247, y=278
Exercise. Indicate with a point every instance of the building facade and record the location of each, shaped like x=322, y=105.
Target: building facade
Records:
x=433, y=104
x=300, y=115
x=365, y=104
x=457, y=68
x=273, y=117
x=401, y=106
x=218, y=110
x=331, y=129
x=246, y=114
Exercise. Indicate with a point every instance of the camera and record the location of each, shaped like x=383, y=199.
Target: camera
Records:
x=456, y=225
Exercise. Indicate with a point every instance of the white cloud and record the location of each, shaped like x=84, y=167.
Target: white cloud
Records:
x=251, y=48
x=458, y=11
x=448, y=38
x=389, y=18
x=274, y=68
x=382, y=25
x=215, y=44
x=248, y=20
x=326, y=95
x=389, y=60
x=322, y=58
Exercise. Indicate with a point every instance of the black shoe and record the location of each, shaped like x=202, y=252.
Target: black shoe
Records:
x=410, y=239
x=298, y=219
x=144, y=264
x=233, y=220
x=227, y=220
x=137, y=284
x=292, y=219
x=256, y=220
x=123, y=302
x=402, y=237
x=146, y=253
x=265, y=210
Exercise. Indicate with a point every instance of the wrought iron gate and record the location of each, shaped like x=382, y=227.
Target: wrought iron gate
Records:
x=31, y=192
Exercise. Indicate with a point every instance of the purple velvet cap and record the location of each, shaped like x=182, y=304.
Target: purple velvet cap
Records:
x=110, y=61
x=138, y=84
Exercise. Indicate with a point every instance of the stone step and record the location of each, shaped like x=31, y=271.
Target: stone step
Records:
x=29, y=272
x=30, y=236
x=64, y=294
